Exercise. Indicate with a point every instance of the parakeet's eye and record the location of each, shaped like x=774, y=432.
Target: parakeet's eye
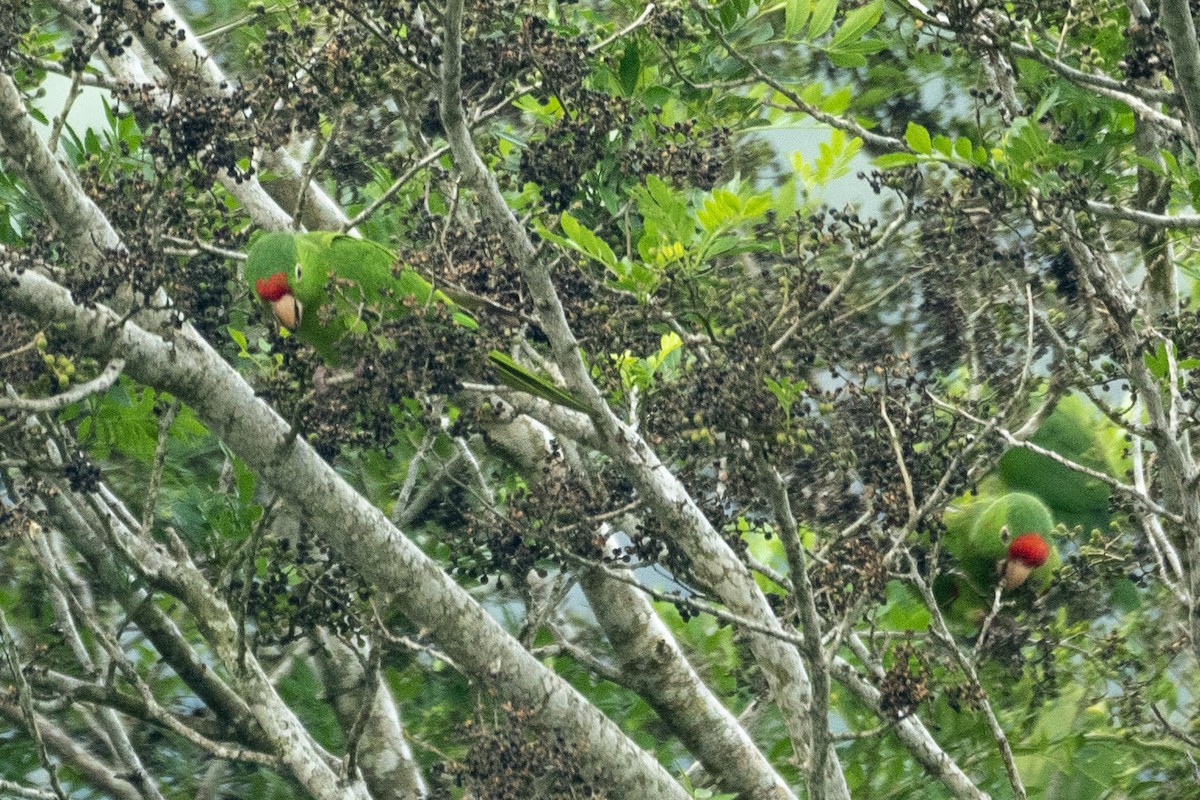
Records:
x=298, y=271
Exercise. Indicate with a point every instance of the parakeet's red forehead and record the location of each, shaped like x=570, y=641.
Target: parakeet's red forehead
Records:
x=272, y=288
x=1029, y=548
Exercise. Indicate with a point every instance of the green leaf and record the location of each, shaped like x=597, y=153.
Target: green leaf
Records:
x=857, y=23
x=91, y=142
x=847, y=59
x=795, y=14
x=238, y=337
x=1157, y=361
x=587, y=242
x=822, y=17
x=918, y=139
x=943, y=145
x=962, y=148
x=657, y=96
x=631, y=67
x=888, y=160
x=513, y=374
x=837, y=102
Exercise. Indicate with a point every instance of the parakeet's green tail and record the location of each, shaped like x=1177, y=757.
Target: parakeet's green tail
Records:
x=515, y=376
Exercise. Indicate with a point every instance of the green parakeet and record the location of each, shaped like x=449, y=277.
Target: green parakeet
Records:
x=323, y=285
x=973, y=537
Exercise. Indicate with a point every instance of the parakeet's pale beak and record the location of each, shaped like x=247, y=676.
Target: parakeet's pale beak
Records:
x=1014, y=572
x=288, y=311
x=276, y=291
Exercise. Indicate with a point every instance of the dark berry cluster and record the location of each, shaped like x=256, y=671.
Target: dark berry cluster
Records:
x=304, y=587
x=685, y=154
x=508, y=760
x=1148, y=52
x=16, y=20
x=82, y=474
x=209, y=131
x=20, y=363
x=852, y=570
x=515, y=45
x=904, y=686
x=574, y=145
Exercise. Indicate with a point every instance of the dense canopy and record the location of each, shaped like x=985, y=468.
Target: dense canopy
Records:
x=796, y=399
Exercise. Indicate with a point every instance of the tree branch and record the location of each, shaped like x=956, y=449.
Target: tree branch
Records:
x=359, y=532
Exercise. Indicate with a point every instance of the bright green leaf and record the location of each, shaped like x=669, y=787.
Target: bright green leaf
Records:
x=822, y=17
x=888, y=160
x=587, y=242
x=857, y=23
x=918, y=139
x=795, y=15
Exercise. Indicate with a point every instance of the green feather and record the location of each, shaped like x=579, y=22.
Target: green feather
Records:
x=517, y=377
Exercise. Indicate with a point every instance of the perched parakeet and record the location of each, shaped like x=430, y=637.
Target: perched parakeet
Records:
x=986, y=558
x=323, y=285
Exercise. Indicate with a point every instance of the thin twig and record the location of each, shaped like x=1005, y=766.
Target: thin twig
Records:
x=160, y=452
x=370, y=691
x=898, y=451
x=45, y=405
x=1171, y=730
x=17, y=790
x=859, y=259
x=310, y=167
x=981, y=640
x=818, y=669
x=1147, y=218
x=396, y=186
x=61, y=119
x=207, y=247
x=942, y=632
x=400, y=508
x=25, y=697
x=642, y=19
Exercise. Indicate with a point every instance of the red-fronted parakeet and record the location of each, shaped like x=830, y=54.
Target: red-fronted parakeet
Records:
x=323, y=285
x=986, y=558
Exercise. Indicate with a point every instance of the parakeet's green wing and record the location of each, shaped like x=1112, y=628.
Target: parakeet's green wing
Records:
x=369, y=266
x=364, y=266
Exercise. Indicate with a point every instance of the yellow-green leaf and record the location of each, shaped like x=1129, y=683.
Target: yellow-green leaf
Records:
x=918, y=139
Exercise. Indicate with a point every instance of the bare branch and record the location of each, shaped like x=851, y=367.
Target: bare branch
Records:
x=1108, y=210
x=43, y=405
x=642, y=19
x=1185, y=55
x=358, y=531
